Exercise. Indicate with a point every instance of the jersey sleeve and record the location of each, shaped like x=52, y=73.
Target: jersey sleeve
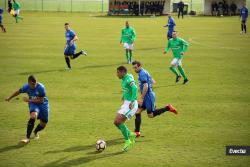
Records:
x=133, y=35
x=121, y=40
x=133, y=86
x=143, y=78
x=72, y=34
x=168, y=46
x=24, y=88
x=42, y=92
x=185, y=45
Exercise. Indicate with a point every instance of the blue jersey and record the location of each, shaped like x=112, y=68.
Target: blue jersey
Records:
x=171, y=24
x=70, y=35
x=39, y=91
x=244, y=13
x=1, y=17
x=144, y=77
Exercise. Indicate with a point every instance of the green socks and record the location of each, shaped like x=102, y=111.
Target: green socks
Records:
x=173, y=69
x=125, y=131
x=182, y=72
x=127, y=55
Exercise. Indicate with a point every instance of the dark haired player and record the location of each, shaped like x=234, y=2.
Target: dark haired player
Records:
x=70, y=47
x=38, y=106
x=147, y=98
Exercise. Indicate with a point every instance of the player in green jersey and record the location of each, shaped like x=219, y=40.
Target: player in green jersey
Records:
x=179, y=46
x=129, y=107
x=127, y=39
x=17, y=7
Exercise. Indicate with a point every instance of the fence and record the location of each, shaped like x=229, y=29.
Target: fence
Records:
x=61, y=5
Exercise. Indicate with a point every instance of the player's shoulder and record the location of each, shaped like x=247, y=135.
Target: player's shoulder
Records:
x=40, y=86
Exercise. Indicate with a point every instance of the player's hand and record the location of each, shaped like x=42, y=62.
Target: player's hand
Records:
x=182, y=53
x=25, y=99
x=140, y=101
x=164, y=52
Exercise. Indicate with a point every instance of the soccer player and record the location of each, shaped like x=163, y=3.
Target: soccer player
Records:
x=171, y=24
x=9, y=6
x=38, y=106
x=244, y=16
x=179, y=46
x=147, y=98
x=17, y=7
x=129, y=106
x=127, y=39
x=1, y=20
x=70, y=47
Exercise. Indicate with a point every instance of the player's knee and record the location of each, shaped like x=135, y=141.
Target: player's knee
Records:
x=33, y=115
x=43, y=124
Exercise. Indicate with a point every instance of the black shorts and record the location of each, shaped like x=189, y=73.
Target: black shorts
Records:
x=243, y=21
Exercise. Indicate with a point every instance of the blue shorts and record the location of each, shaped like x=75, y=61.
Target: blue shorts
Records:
x=170, y=34
x=69, y=50
x=41, y=110
x=1, y=19
x=149, y=102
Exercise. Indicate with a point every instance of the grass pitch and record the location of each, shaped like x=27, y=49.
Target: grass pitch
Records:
x=213, y=107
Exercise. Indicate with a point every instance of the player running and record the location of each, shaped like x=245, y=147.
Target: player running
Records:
x=179, y=46
x=17, y=8
x=244, y=16
x=38, y=106
x=1, y=20
x=171, y=24
x=127, y=39
x=70, y=47
x=147, y=98
x=129, y=106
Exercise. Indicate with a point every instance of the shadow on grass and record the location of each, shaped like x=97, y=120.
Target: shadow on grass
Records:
x=87, y=147
x=13, y=147
x=82, y=160
x=62, y=70
x=91, y=156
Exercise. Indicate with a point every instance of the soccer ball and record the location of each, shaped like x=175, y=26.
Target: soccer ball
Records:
x=100, y=145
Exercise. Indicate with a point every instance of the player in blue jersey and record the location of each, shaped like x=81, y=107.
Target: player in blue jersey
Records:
x=147, y=98
x=70, y=47
x=1, y=20
x=38, y=106
x=171, y=24
x=244, y=16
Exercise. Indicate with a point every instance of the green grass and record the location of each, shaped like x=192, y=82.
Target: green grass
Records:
x=213, y=107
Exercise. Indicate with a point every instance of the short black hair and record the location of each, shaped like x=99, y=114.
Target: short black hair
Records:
x=122, y=69
x=66, y=24
x=32, y=78
x=138, y=63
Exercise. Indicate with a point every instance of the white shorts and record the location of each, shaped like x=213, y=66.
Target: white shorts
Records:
x=176, y=62
x=128, y=46
x=17, y=12
x=129, y=113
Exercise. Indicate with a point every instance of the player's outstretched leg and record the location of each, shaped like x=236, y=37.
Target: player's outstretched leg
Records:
x=160, y=111
x=137, y=124
x=82, y=52
x=183, y=74
x=173, y=69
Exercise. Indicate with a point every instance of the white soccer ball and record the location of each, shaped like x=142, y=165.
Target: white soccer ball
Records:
x=100, y=145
